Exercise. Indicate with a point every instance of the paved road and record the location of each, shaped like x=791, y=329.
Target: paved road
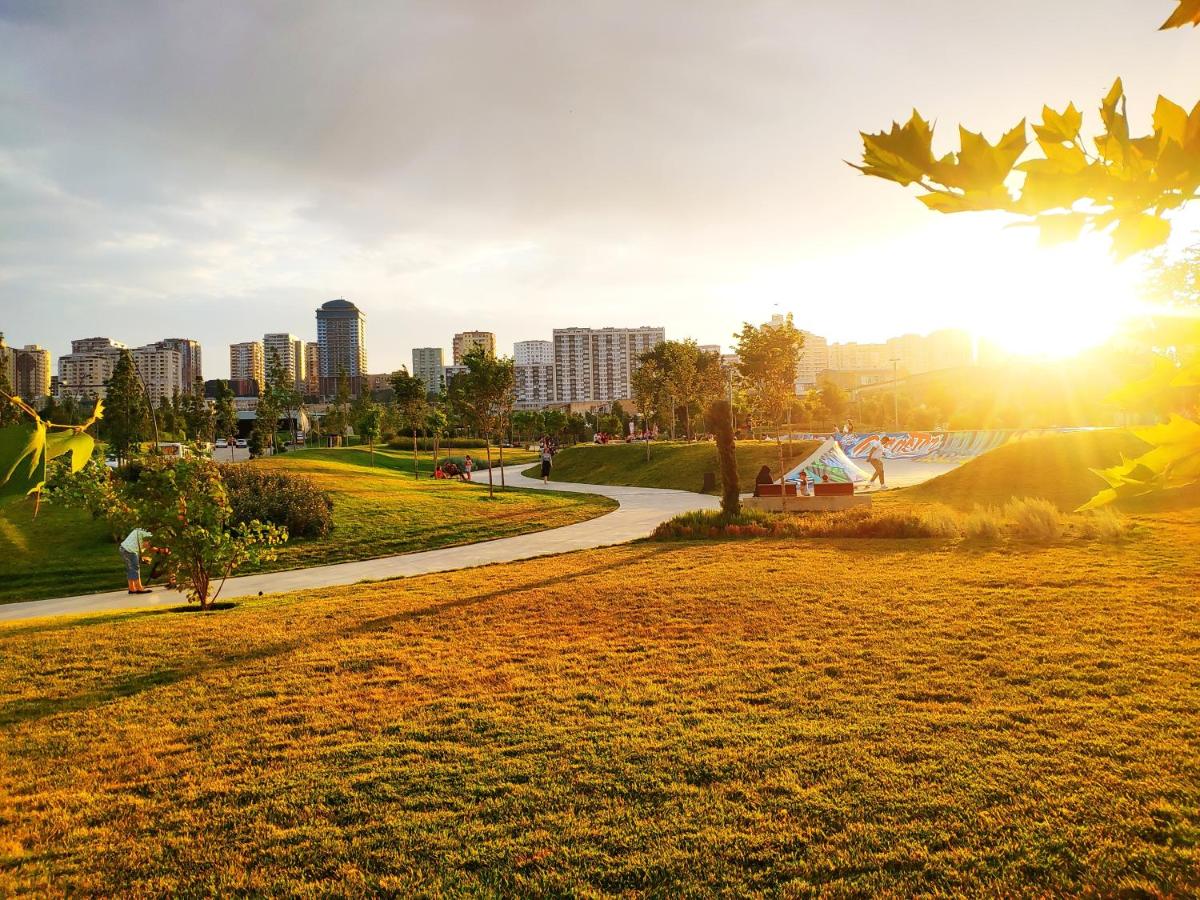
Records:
x=640, y=510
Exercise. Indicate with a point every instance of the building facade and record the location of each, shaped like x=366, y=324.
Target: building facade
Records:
x=84, y=371
x=342, y=337
x=289, y=349
x=161, y=371
x=191, y=357
x=312, y=367
x=597, y=364
x=533, y=386
x=533, y=353
x=246, y=370
x=31, y=372
x=429, y=364
x=466, y=341
x=814, y=359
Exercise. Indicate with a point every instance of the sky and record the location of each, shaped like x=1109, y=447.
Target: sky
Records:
x=218, y=170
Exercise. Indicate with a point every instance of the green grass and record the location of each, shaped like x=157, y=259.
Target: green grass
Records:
x=846, y=717
x=378, y=511
x=672, y=465
x=1054, y=468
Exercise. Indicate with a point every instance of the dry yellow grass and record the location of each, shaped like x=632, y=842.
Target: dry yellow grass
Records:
x=856, y=716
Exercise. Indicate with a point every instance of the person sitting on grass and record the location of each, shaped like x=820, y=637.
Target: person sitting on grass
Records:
x=449, y=470
x=763, y=477
x=131, y=551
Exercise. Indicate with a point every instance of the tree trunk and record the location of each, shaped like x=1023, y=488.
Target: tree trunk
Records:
x=782, y=472
x=488, y=443
x=416, y=467
x=502, y=484
x=721, y=426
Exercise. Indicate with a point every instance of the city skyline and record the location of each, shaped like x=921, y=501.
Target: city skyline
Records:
x=182, y=188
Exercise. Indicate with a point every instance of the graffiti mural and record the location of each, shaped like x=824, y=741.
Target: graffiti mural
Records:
x=932, y=446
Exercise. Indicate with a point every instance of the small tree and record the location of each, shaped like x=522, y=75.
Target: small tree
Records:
x=436, y=423
x=10, y=413
x=368, y=426
x=226, y=416
x=126, y=409
x=483, y=395
x=411, y=399
x=184, y=505
x=768, y=358
x=720, y=423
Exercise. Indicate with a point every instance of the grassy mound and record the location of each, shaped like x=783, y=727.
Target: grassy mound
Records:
x=672, y=465
x=1054, y=468
x=377, y=511
x=688, y=719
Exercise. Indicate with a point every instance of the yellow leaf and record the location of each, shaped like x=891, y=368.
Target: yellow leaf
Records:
x=77, y=443
x=1136, y=233
x=1187, y=14
x=1059, y=128
x=903, y=155
x=1176, y=430
x=1170, y=121
x=1060, y=229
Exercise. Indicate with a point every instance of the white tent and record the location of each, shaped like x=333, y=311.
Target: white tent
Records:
x=828, y=459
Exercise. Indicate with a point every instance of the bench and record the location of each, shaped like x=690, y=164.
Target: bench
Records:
x=833, y=489
x=774, y=490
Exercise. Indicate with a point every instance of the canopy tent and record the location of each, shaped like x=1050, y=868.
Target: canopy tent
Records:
x=828, y=459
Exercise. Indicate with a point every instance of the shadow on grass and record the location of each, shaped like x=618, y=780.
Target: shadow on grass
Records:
x=20, y=711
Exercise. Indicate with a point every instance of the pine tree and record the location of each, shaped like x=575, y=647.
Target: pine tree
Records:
x=126, y=411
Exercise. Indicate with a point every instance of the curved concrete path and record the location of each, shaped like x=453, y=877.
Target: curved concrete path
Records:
x=640, y=510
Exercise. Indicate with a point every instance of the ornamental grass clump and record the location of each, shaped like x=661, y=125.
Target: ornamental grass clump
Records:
x=1035, y=520
x=983, y=523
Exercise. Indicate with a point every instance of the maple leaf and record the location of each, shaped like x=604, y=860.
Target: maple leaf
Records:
x=1059, y=128
x=1187, y=14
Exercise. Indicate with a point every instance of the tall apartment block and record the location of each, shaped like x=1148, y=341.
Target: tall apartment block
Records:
x=533, y=353
x=342, y=336
x=429, y=365
x=190, y=356
x=246, y=368
x=533, y=385
x=161, y=371
x=31, y=372
x=312, y=367
x=290, y=351
x=466, y=341
x=83, y=372
x=596, y=364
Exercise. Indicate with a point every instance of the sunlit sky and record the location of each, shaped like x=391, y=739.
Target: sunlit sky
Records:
x=218, y=170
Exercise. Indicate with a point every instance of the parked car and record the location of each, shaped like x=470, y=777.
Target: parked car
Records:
x=222, y=444
x=241, y=444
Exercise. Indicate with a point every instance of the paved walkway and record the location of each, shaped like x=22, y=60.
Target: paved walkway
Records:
x=641, y=509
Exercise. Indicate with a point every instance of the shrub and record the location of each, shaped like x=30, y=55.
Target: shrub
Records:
x=1034, y=519
x=281, y=498
x=1106, y=525
x=404, y=442
x=941, y=521
x=984, y=523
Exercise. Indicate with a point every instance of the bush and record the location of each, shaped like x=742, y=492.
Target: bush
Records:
x=1106, y=525
x=279, y=498
x=1034, y=519
x=984, y=523
x=859, y=522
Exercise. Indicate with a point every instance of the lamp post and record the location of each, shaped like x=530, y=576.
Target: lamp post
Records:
x=896, y=391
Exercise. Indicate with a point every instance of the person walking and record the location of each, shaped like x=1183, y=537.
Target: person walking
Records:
x=468, y=468
x=547, y=461
x=875, y=458
x=131, y=551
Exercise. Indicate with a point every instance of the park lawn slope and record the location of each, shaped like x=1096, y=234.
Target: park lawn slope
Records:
x=1054, y=467
x=678, y=466
x=378, y=511
x=856, y=717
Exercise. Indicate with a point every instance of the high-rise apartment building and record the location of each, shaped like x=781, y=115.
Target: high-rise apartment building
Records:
x=161, y=371
x=596, y=364
x=533, y=353
x=466, y=341
x=342, y=336
x=246, y=368
x=83, y=372
x=429, y=365
x=31, y=372
x=714, y=349
x=814, y=359
x=533, y=385
x=8, y=362
x=289, y=349
x=189, y=354
x=312, y=367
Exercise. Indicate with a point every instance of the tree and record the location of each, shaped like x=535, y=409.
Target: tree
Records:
x=197, y=414
x=768, y=357
x=184, y=505
x=1126, y=188
x=337, y=418
x=126, y=409
x=10, y=412
x=411, y=399
x=720, y=423
x=436, y=423
x=279, y=399
x=483, y=396
x=368, y=426
x=226, y=416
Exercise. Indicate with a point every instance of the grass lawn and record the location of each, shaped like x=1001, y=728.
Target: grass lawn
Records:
x=855, y=717
x=672, y=465
x=378, y=511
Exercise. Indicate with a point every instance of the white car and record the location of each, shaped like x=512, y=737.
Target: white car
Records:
x=241, y=444
x=222, y=444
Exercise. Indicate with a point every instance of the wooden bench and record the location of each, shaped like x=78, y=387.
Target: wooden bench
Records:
x=833, y=489
x=774, y=490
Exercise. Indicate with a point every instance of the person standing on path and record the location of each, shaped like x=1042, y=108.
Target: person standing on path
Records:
x=131, y=552
x=875, y=458
x=468, y=468
x=547, y=461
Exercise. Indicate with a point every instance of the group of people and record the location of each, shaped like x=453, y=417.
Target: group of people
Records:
x=804, y=484
x=451, y=469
